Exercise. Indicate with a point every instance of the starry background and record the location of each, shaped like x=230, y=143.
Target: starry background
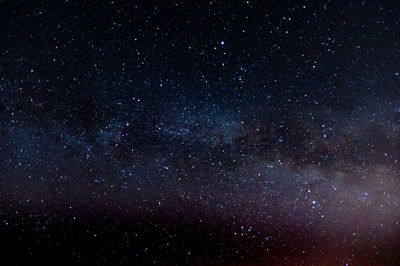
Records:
x=199, y=132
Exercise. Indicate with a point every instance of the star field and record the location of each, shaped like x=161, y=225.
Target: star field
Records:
x=199, y=132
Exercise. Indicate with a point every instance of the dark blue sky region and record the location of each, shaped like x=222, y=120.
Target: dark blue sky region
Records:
x=199, y=132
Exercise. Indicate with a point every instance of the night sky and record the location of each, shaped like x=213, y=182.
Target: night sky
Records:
x=199, y=132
